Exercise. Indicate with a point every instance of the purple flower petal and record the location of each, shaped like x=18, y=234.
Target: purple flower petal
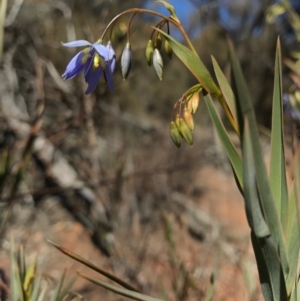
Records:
x=74, y=67
x=102, y=50
x=111, y=56
x=78, y=43
x=92, y=77
x=109, y=76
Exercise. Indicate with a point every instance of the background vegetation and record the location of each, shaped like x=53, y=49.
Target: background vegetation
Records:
x=99, y=174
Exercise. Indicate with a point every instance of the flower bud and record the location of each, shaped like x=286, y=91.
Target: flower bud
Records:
x=195, y=99
x=189, y=106
x=126, y=60
x=158, y=63
x=175, y=135
x=111, y=56
x=177, y=122
x=186, y=132
x=188, y=118
x=158, y=41
x=149, y=53
x=168, y=49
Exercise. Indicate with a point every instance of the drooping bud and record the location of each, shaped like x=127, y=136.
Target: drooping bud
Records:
x=158, y=41
x=186, y=132
x=175, y=135
x=111, y=56
x=188, y=118
x=171, y=9
x=126, y=60
x=149, y=53
x=189, y=106
x=195, y=100
x=168, y=49
x=177, y=122
x=158, y=63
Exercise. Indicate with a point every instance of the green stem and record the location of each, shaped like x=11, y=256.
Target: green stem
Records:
x=151, y=12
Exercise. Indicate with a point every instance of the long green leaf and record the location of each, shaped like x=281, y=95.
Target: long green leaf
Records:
x=93, y=267
x=232, y=153
x=245, y=109
x=120, y=290
x=277, y=163
x=253, y=209
x=36, y=289
x=293, y=241
x=193, y=63
x=225, y=88
x=262, y=267
x=55, y=295
x=268, y=261
x=15, y=283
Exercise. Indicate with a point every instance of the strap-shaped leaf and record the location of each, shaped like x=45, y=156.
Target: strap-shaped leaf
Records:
x=119, y=290
x=293, y=241
x=245, y=109
x=232, y=153
x=226, y=89
x=253, y=209
x=93, y=267
x=277, y=163
x=269, y=268
x=193, y=63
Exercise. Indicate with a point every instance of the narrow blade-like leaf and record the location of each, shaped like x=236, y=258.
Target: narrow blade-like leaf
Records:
x=253, y=209
x=232, y=153
x=120, y=290
x=93, y=267
x=277, y=163
x=193, y=63
x=226, y=89
x=268, y=261
x=245, y=109
x=293, y=241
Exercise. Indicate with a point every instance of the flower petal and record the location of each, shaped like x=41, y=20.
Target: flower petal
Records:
x=109, y=76
x=102, y=50
x=111, y=56
x=75, y=66
x=78, y=43
x=92, y=77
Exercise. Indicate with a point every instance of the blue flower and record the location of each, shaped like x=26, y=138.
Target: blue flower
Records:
x=94, y=60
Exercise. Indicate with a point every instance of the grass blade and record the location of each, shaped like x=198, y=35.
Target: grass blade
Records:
x=293, y=241
x=245, y=110
x=120, y=290
x=277, y=163
x=55, y=296
x=253, y=209
x=232, y=153
x=193, y=63
x=226, y=89
x=93, y=267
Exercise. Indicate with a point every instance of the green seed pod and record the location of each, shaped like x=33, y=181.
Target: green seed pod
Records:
x=175, y=135
x=168, y=49
x=188, y=118
x=186, y=132
x=195, y=100
x=126, y=60
x=149, y=53
x=158, y=41
x=158, y=63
